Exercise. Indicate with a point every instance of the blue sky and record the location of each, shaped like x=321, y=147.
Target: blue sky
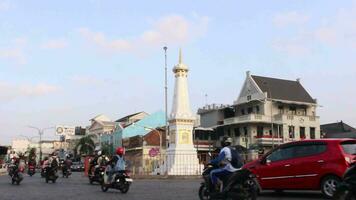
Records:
x=63, y=62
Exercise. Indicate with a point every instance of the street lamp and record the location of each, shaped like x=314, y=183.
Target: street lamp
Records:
x=40, y=133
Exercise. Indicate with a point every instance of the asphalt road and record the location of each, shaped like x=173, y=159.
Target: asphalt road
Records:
x=77, y=187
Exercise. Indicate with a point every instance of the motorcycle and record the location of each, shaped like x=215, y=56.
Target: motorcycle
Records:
x=16, y=174
x=346, y=190
x=97, y=174
x=121, y=181
x=241, y=185
x=66, y=172
x=51, y=174
x=31, y=170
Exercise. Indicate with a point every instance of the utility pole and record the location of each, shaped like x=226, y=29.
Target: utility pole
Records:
x=40, y=133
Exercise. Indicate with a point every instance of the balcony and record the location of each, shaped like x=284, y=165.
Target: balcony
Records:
x=268, y=140
x=280, y=118
x=247, y=119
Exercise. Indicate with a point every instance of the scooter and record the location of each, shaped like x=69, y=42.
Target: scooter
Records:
x=241, y=185
x=97, y=174
x=31, y=170
x=121, y=181
x=346, y=190
x=16, y=174
x=51, y=174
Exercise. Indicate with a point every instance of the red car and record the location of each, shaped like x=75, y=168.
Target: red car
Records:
x=305, y=165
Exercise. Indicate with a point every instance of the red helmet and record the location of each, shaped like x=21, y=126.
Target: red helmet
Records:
x=120, y=151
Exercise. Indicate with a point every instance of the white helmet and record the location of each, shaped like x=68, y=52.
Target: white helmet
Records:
x=99, y=153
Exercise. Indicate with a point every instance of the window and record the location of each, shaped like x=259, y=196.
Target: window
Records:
x=302, y=132
x=281, y=154
x=292, y=109
x=242, y=111
x=237, y=132
x=249, y=98
x=291, y=131
x=349, y=147
x=257, y=109
x=312, y=133
x=249, y=110
x=309, y=150
x=280, y=109
x=259, y=131
x=245, y=131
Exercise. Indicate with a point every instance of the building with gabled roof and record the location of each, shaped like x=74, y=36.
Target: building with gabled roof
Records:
x=267, y=112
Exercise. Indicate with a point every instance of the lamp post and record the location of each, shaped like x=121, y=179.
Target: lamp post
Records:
x=165, y=89
x=40, y=133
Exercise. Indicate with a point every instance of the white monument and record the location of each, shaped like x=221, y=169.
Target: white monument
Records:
x=182, y=157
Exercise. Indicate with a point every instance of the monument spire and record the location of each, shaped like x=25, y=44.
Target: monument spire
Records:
x=180, y=56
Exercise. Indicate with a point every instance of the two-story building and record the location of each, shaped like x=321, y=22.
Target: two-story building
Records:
x=267, y=112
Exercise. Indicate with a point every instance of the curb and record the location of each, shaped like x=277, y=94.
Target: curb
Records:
x=169, y=177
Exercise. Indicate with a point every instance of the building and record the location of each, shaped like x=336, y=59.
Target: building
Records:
x=137, y=124
x=267, y=112
x=338, y=130
x=20, y=146
x=100, y=125
x=143, y=153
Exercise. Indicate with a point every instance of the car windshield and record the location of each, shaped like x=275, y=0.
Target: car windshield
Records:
x=349, y=147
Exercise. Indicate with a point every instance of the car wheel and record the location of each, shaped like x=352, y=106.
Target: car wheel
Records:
x=328, y=186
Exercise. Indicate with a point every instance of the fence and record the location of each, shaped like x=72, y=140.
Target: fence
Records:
x=179, y=164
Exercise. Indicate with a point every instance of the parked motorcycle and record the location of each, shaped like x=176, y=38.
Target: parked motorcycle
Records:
x=51, y=174
x=16, y=174
x=346, y=190
x=31, y=170
x=241, y=185
x=97, y=174
x=121, y=181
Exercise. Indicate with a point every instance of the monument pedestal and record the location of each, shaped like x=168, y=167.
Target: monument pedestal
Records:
x=183, y=162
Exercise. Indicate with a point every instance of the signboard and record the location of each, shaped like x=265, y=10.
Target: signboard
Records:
x=153, y=152
x=65, y=130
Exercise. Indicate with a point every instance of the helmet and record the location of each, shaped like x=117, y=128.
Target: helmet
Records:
x=99, y=153
x=120, y=151
x=226, y=141
x=68, y=156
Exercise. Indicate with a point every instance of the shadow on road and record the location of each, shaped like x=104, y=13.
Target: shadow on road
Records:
x=292, y=195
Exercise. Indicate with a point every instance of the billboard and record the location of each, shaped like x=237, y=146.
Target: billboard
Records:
x=65, y=130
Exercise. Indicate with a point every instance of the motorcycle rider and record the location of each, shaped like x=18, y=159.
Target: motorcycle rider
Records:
x=67, y=163
x=53, y=163
x=94, y=161
x=230, y=161
x=117, y=163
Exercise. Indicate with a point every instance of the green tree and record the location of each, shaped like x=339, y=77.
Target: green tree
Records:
x=107, y=149
x=85, y=145
x=32, y=154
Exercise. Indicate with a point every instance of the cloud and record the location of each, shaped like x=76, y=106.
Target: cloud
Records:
x=293, y=47
x=172, y=30
x=15, y=51
x=55, y=44
x=290, y=18
x=337, y=30
x=10, y=91
x=86, y=80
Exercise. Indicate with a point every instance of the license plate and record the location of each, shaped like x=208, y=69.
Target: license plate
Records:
x=129, y=179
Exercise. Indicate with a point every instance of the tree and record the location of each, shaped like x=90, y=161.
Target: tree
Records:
x=85, y=145
x=32, y=154
x=107, y=149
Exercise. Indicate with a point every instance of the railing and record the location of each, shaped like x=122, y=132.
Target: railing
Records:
x=289, y=117
x=248, y=118
x=179, y=164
